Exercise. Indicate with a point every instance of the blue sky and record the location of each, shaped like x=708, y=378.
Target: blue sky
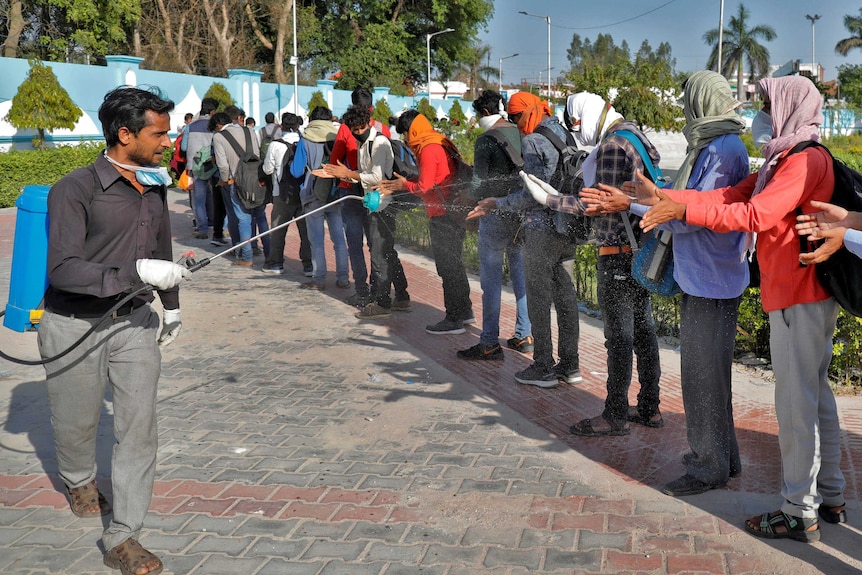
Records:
x=680, y=22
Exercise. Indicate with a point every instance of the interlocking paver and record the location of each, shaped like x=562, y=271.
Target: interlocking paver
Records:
x=297, y=440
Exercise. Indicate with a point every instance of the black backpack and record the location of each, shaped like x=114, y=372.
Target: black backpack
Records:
x=288, y=186
x=247, y=182
x=841, y=274
x=568, y=179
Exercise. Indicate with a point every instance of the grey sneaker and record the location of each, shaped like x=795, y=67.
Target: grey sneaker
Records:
x=570, y=375
x=272, y=269
x=373, y=311
x=537, y=375
x=446, y=327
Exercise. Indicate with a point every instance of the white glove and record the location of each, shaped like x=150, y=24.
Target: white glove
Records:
x=539, y=189
x=161, y=274
x=171, y=326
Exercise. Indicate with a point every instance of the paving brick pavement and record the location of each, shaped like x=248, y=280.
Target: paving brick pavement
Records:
x=298, y=440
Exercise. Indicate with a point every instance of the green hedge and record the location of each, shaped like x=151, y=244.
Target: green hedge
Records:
x=21, y=168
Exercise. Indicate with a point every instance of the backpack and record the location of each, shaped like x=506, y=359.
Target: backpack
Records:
x=246, y=179
x=568, y=179
x=265, y=140
x=460, y=201
x=841, y=274
x=324, y=189
x=652, y=265
x=203, y=163
x=405, y=162
x=289, y=185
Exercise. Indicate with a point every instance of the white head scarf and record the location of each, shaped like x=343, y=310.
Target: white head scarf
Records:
x=591, y=117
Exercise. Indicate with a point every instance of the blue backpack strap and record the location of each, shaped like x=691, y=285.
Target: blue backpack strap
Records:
x=654, y=170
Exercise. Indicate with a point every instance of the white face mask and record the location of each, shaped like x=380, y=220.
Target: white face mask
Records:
x=761, y=129
x=485, y=122
x=146, y=176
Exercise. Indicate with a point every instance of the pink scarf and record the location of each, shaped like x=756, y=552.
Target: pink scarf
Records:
x=796, y=117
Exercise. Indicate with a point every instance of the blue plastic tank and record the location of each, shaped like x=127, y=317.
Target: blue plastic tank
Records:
x=29, y=258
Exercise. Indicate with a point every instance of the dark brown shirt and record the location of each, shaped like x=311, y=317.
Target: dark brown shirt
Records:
x=99, y=224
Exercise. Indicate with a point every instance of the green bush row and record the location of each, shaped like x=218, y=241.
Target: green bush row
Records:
x=21, y=168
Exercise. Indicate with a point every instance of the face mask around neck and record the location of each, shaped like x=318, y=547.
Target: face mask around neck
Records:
x=761, y=129
x=485, y=122
x=146, y=176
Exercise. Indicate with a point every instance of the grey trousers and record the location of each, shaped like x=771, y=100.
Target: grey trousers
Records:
x=707, y=333
x=808, y=432
x=123, y=352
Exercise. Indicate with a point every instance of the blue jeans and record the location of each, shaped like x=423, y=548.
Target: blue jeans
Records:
x=629, y=327
x=242, y=219
x=356, y=227
x=200, y=199
x=497, y=233
x=316, y=237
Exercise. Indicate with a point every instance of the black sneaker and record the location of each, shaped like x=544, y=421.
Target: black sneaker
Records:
x=446, y=327
x=570, y=375
x=307, y=270
x=219, y=241
x=482, y=352
x=272, y=269
x=522, y=344
x=469, y=318
x=538, y=375
x=357, y=300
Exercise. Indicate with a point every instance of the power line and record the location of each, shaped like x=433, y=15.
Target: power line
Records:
x=616, y=23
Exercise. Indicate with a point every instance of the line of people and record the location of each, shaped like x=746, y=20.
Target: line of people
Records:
x=719, y=207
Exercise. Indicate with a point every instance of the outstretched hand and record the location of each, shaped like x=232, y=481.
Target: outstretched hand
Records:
x=665, y=210
x=398, y=184
x=830, y=217
x=482, y=208
x=539, y=189
x=642, y=188
x=604, y=199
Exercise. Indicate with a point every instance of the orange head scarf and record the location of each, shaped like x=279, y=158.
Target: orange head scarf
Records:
x=531, y=108
x=422, y=133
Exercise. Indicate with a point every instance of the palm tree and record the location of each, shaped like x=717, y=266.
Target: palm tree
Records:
x=740, y=43
x=477, y=70
x=854, y=25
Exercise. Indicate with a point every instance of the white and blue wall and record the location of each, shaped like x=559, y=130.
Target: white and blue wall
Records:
x=87, y=86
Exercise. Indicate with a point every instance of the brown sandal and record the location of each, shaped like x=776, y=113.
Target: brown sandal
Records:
x=84, y=499
x=129, y=556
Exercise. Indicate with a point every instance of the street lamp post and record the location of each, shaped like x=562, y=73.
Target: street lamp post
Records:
x=294, y=60
x=720, y=36
x=813, y=19
x=548, y=20
x=500, y=84
x=428, y=54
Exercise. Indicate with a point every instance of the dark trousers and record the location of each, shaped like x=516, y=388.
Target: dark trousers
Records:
x=284, y=212
x=357, y=227
x=546, y=255
x=447, y=244
x=629, y=327
x=386, y=267
x=707, y=333
x=218, y=211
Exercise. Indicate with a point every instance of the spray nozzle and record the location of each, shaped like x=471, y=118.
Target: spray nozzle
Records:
x=375, y=201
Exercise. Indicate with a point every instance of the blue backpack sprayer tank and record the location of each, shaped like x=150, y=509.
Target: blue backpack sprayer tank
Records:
x=30, y=263
x=29, y=260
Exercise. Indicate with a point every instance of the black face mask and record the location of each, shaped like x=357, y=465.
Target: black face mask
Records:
x=361, y=138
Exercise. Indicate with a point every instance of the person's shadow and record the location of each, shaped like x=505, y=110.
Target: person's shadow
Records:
x=27, y=431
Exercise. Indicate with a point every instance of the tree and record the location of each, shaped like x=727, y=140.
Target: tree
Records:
x=456, y=114
x=854, y=26
x=317, y=99
x=69, y=30
x=850, y=80
x=476, y=71
x=42, y=104
x=740, y=44
x=426, y=109
x=604, y=52
x=643, y=90
x=220, y=93
x=381, y=112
